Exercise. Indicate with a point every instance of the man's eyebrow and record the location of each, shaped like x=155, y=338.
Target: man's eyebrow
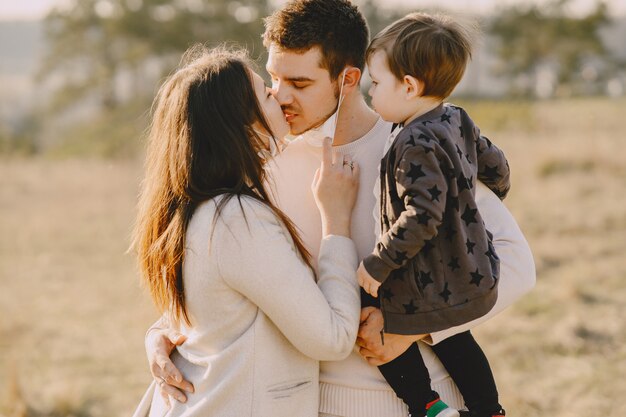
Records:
x=298, y=79
x=294, y=79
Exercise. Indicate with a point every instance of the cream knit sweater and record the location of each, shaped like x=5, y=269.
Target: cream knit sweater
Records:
x=260, y=321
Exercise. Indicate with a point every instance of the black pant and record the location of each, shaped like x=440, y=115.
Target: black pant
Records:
x=463, y=359
x=465, y=362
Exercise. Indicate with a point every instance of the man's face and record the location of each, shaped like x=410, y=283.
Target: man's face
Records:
x=302, y=87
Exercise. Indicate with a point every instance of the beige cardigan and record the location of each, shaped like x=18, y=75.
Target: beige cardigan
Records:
x=260, y=321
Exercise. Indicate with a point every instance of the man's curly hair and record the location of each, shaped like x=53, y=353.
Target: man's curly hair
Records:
x=337, y=27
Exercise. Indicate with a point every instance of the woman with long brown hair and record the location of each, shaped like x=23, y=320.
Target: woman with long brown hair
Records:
x=223, y=264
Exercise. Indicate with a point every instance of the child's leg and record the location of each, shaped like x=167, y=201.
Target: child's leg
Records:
x=468, y=366
x=409, y=378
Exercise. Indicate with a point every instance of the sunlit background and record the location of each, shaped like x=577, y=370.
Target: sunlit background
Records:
x=547, y=83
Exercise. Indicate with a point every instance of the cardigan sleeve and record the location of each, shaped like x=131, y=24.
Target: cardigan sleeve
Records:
x=422, y=187
x=257, y=257
x=517, y=267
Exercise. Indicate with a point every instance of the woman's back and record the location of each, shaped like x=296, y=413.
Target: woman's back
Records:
x=259, y=321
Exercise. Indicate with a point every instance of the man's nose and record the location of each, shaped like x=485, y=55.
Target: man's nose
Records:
x=281, y=95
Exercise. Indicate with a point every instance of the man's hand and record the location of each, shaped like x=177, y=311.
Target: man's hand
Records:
x=159, y=345
x=370, y=341
x=369, y=284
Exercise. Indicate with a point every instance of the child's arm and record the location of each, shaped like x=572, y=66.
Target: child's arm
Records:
x=422, y=187
x=493, y=168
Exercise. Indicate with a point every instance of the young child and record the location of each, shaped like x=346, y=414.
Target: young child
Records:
x=434, y=262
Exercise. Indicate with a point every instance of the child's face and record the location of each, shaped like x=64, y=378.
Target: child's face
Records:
x=387, y=92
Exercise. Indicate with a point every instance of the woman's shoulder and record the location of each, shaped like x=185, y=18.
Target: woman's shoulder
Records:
x=232, y=209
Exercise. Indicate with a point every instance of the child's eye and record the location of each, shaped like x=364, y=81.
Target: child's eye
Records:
x=374, y=83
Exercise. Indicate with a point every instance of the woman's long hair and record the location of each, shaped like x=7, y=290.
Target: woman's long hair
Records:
x=201, y=144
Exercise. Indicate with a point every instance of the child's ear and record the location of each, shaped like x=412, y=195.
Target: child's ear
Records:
x=413, y=87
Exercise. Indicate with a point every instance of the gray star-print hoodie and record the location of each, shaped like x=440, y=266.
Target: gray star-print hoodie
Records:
x=435, y=258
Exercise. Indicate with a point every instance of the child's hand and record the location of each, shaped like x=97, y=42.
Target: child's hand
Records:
x=369, y=284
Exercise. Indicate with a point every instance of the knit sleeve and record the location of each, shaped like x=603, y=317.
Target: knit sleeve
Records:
x=421, y=186
x=257, y=257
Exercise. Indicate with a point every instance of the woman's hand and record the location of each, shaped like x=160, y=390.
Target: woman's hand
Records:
x=335, y=187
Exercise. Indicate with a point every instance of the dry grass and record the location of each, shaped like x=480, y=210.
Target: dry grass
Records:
x=72, y=316
x=562, y=350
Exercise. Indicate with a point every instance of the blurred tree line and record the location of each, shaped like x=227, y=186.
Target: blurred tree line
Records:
x=110, y=56
x=106, y=58
x=545, y=51
x=93, y=41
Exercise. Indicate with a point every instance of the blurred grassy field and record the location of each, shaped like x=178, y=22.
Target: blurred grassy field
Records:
x=72, y=315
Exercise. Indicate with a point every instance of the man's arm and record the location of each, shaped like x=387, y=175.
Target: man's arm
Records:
x=160, y=341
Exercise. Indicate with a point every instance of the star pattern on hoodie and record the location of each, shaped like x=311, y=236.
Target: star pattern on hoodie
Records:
x=425, y=137
x=399, y=233
x=490, y=171
x=459, y=151
x=423, y=218
x=428, y=246
x=469, y=215
x=400, y=257
x=454, y=264
x=386, y=293
x=434, y=193
x=464, y=183
x=415, y=172
x=410, y=308
x=445, y=294
x=425, y=279
x=476, y=277
x=459, y=154
x=470, y=246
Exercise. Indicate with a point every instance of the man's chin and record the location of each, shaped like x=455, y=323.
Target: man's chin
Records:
x=296, y=131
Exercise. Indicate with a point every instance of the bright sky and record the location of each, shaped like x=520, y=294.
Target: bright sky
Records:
x=35, y=9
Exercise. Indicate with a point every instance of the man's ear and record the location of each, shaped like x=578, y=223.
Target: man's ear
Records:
x=413, y=88
x=353, y=76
